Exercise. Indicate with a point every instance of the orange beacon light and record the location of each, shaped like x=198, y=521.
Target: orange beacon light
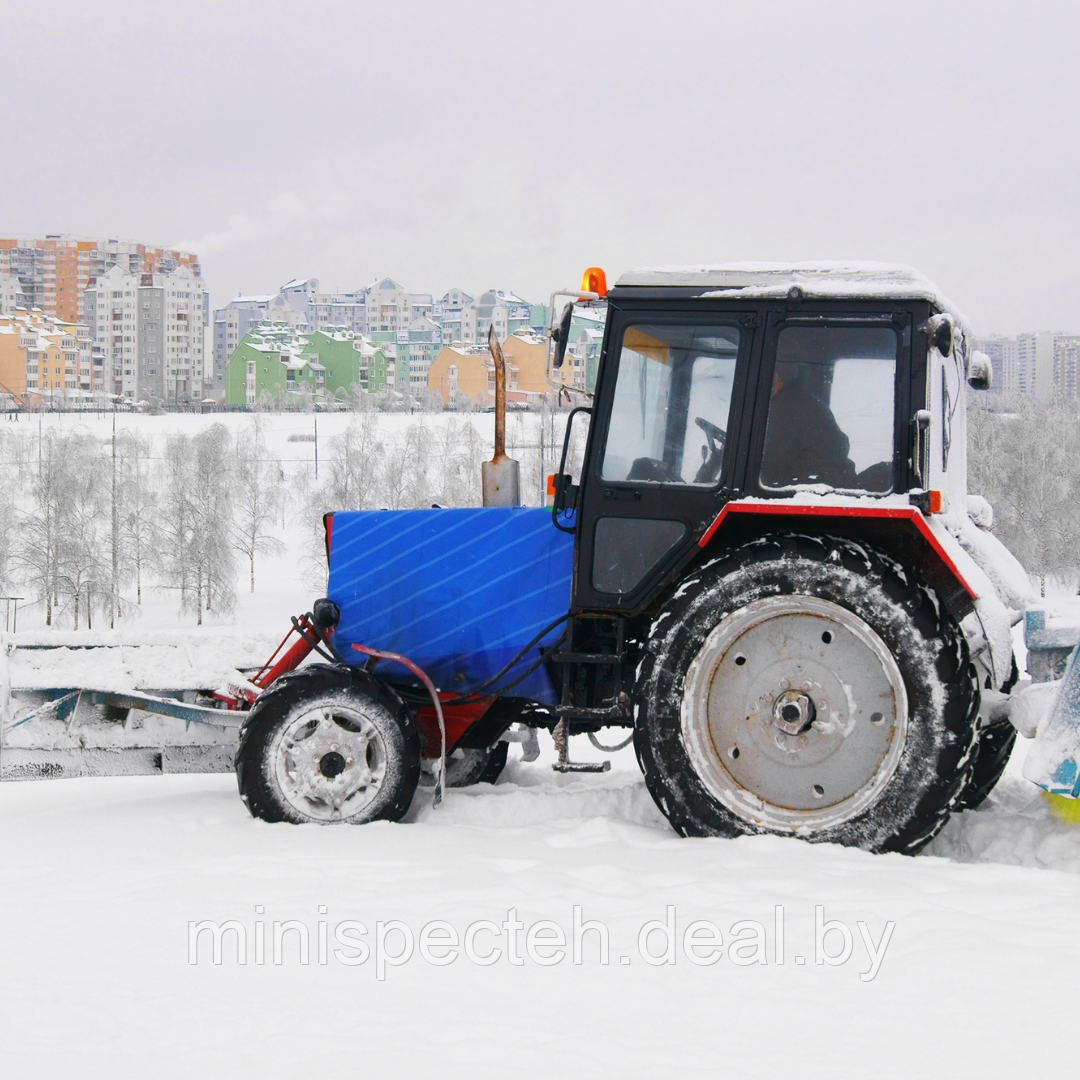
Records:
x=594, y=281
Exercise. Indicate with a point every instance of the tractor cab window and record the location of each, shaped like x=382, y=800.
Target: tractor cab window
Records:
x=831, y=409
x=672, y=398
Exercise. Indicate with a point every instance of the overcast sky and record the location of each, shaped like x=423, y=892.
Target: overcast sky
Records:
x=480, y=144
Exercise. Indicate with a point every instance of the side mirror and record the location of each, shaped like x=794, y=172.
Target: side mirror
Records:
x=980, y=371
x=561, y=335
x=939, y=329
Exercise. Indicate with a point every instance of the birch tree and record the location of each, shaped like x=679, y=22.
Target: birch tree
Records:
x=353, y=466
x=258, y=498
x=138, y=509
x=198, y=558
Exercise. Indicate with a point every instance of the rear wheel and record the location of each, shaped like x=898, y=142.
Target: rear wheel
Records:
x=806, y=686
x=328, y=745
x=996, y=744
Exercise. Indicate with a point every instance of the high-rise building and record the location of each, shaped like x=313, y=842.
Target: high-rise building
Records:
x=1035, y=365
x=53, y=272
x=1004, y=359
x=149, y=333
x=1067, y=365
x=1042, y=365
x=10, y=294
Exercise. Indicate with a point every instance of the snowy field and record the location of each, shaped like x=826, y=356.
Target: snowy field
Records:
x=960, y=959
x=104, y=877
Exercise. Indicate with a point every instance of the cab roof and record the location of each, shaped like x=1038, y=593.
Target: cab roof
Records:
x=824, y=280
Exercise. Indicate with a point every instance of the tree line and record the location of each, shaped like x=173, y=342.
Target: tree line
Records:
x=89, y=523
x=1024, y=459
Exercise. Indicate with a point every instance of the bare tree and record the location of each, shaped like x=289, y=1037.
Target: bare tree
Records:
x=258, y=496
x=138, y=508
x=197, y=521
x=10, y=450
x=62, y=543
x=215, y=566
x=37, y=553
x=459, y=456
x=353, y=466
x=83, y=570
x=405, y=484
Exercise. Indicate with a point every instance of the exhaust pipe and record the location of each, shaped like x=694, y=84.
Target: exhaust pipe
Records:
x=501, y=485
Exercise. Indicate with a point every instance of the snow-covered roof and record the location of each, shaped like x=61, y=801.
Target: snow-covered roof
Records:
x=467, y=350
x=528, y=337
x=815, y=279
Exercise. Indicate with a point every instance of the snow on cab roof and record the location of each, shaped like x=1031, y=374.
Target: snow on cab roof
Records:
x=871, y=280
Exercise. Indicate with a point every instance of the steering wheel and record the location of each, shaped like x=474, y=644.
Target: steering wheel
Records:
x=713, y=457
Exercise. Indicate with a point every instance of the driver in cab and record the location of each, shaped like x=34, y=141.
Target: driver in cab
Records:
x=803, y=442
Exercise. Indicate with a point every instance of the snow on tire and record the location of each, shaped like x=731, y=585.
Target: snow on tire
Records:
x=806, y=686
x=328, y=744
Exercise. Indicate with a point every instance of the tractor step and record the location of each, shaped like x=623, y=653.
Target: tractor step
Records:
x=581, y=766
x=561, y=737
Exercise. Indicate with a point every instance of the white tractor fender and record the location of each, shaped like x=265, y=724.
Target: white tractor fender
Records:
x=998, y=605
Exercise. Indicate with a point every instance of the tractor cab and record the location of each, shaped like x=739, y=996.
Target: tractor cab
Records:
x=765, y=387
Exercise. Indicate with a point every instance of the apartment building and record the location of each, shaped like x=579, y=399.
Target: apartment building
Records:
x=1042, y=365
x=1067, y=365
x=416, y=349
x=43, y=358
x=468, y=371
x=149, y=332
x=10, y=294
x=275, y=362
x=235, y=321
x=53, y=272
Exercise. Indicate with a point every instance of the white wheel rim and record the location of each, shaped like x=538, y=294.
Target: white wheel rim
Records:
x=329, y=762
x=794, y=714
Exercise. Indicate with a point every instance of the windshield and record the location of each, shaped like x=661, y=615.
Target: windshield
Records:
x=672, y=399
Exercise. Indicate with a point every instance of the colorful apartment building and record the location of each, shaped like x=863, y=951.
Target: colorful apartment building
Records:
x=276, y=362
x=43, y=359
x=467, y=371
x=54, y=272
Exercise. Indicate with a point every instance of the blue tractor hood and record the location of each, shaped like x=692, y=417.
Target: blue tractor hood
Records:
x=459, y=592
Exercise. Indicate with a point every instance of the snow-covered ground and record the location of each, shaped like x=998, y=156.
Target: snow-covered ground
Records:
x=104, y=877
x=960, y=959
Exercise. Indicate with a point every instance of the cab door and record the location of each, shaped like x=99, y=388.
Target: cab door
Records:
x=661, y=460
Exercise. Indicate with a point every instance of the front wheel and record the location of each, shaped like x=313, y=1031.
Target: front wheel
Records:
x=328, y=745
x=809, y=687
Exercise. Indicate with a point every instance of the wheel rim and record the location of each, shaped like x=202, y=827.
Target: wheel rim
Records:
x=794, y=713
x=330, y=763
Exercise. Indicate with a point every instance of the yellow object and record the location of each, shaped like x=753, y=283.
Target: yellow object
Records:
x=1062, y=808
x=637, y=340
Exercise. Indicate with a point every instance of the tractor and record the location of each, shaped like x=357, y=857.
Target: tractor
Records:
x=766, y=568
